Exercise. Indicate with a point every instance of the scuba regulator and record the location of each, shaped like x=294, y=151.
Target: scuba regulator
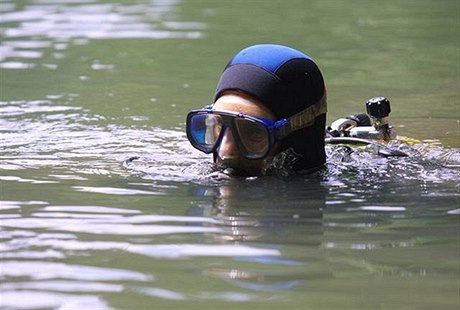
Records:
x=371, y=128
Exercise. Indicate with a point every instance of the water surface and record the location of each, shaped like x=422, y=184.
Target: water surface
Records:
x=87, y=85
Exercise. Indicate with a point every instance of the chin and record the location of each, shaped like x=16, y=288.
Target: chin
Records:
x=240, y=167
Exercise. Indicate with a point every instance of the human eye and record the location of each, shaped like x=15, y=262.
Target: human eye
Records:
x=253, y=135
x=213, y=127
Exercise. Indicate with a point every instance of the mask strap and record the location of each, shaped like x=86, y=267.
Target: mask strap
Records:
x=304, y=118
x=307, y=117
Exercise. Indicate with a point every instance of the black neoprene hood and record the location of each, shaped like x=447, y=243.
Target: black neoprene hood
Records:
x=284, y=79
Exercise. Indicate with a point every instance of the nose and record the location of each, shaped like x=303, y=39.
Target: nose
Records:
x=228, y=147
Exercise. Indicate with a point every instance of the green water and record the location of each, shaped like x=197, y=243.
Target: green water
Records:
x=85, y=85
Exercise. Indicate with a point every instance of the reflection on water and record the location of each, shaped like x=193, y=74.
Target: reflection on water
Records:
x=51, y=132
x=262, y=237
x=56, y=25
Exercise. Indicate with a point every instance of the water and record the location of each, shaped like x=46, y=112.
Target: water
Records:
x=86, y=85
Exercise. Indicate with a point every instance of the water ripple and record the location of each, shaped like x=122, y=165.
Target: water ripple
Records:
x=94, y=226
x=49, y=270
x=114, y=191
x=54, y=24
x=64, y=286
x=28, y=299
x=53, y=132
x=190, y=250
x=91, y=209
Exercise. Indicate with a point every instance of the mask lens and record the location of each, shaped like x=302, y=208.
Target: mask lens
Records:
x=254, y=137
x=205, y=130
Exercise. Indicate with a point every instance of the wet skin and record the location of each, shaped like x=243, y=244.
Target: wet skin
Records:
x=228, y=154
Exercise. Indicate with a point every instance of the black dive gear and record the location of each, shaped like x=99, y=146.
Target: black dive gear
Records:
x=374, y=126
x=379, y=109
x=366, y=129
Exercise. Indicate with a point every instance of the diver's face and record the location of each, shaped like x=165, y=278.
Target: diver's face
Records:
x=228, y=153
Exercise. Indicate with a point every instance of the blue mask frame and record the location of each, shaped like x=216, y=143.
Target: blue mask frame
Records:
x=197, y=131
x=275, y=130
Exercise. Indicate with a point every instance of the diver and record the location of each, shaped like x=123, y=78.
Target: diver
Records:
x=269, y=115
x=270, y=100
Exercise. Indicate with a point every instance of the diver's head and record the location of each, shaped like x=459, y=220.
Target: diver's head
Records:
x=269, y=98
